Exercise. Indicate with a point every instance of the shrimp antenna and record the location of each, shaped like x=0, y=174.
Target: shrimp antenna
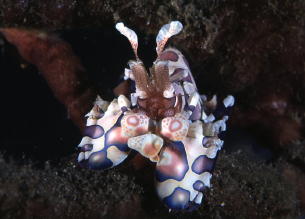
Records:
x=166, y=32
x=131, y=36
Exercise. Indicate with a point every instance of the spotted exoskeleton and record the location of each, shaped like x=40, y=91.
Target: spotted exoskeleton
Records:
x=165, y=119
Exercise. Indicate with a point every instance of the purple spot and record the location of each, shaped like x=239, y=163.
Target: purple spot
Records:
x=198, y=186
x=188, y=78
x=177, y=75
x=204, y=141
x=203, y=164
x=196, y=113
x=178, y=200
x=94, y=131
x=86, y=147
x=190, y=108
x=124, y=109
x=99, y=160
x=169, y=55
x=122, y=146
x=178, y=71
x=178, y=158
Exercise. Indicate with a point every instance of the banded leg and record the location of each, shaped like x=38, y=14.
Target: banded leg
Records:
x=183, y=81
x=217, y=109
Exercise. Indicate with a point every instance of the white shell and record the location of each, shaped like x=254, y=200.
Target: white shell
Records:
x=195, y=130
x=211, y=152
x=203, y=115
x=123, y=101
x=189, y=87
x=229, y=101
x=81, y=156
x=220, y=125
x=210, y=118
x=128, y=74
x=198, y=198
x=193, y=99
x=133, y=99
x=102, y=104
x=94, y=112
x=149, y=145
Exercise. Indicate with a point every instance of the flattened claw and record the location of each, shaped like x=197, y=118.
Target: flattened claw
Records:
x=103, y=145
x=182, y=174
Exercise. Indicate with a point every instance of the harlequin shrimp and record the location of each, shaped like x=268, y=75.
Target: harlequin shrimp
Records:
x=164, y=119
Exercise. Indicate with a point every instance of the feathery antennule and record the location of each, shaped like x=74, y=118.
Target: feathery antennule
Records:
x=161, y=78
x=166, y=32
x=131, y=36
x=141, y=77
